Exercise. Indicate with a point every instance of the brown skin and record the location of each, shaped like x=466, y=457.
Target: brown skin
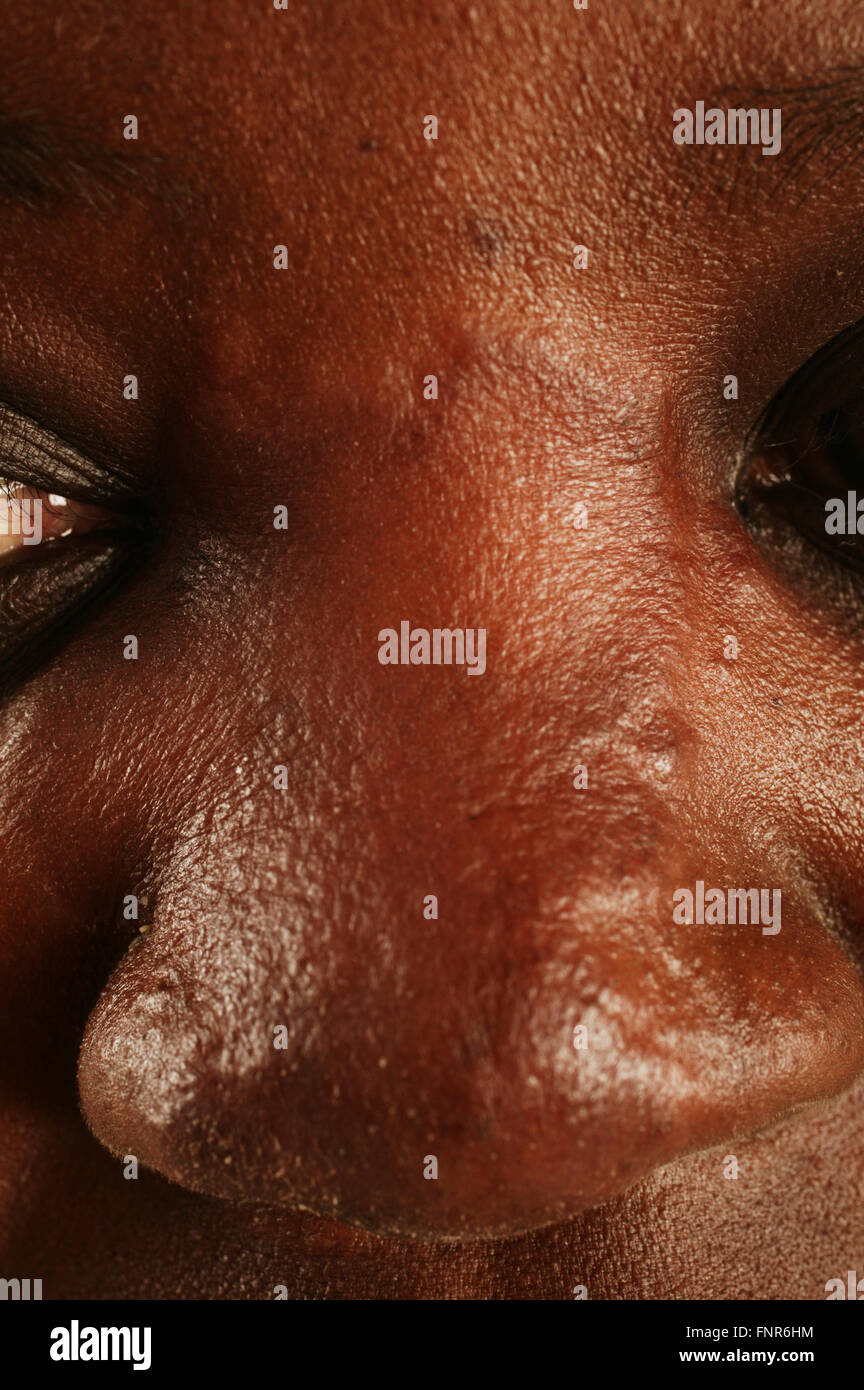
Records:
x=259, y=647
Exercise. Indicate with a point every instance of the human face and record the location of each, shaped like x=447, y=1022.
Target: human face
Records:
x=298, y=1029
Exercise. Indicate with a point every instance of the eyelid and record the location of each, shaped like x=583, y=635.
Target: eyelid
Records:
x=791, y=399
x=844, y=349
x=40, y=601
x=33, y=455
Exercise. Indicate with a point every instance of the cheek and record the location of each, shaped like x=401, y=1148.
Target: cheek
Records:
x=305, y=1025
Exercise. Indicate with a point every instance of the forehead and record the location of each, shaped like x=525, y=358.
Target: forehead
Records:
x=536, y=105
x=304, y=127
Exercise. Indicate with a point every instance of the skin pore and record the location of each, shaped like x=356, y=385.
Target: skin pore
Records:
x=258, y=647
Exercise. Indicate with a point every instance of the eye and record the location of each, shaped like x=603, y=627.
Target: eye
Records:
x=69, y=530
x=803, y=475
x=30, y=516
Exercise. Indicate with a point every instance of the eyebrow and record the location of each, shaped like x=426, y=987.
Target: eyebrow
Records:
x=822, y=125
x=822, y=132
x=42, y=166
x=825, y=124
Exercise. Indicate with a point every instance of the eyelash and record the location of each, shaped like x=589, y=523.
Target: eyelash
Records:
x=47, y=583
x=31, y=516
x=803, y=451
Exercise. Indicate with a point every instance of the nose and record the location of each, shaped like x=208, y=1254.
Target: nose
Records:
x=480, y=1060
x=408, y=966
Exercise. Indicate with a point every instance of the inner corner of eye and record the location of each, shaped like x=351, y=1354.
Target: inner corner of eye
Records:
x=766, y=470
x=767, y=483
x=32, y=516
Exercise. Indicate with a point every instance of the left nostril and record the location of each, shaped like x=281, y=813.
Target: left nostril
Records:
x=517, y=1126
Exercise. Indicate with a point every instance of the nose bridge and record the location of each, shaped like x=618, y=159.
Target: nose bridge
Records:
x=561, y=536
x=536, y=499
x=619, y=598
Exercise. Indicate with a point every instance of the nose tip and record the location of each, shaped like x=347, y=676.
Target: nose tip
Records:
x=439, y=1102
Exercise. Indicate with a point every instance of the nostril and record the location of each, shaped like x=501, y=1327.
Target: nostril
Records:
x=439, y=1091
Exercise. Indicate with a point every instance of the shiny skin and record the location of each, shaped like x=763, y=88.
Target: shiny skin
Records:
x=258, y=647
